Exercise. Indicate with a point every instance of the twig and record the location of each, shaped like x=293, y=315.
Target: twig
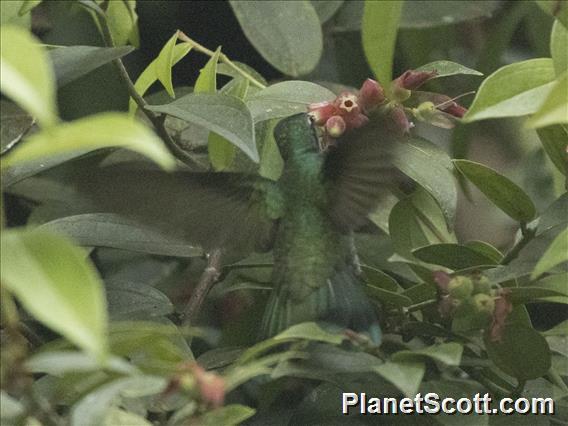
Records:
x=156, y=120
x=207, y=280
x=527, y=235
x=224, y=58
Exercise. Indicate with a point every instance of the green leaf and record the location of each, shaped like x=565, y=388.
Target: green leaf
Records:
x=287, y=34
x=558, y=47
x=14, y=122
x=556, y=283
x=557, y=9
x=447, y=68
x=11, y=408
x=326, y=9
x=9, y=14
x=554, y=110
x=501, y=191
x=453, y=256
x=485, y=249
x=522, y=353
x=110, y=129
x=406, y=376
x=405, y=230
x=389, y=297
x=110, y=230
x=523, y=295
x=271, y=162
x=558, y=330
x=223, y=114
x=73, y=62
x=150, y=74
x=378, y=30
x=221, y=151
x=513, y=90
x=554, y=140
x=436, y=13
x=229, y=415
x=286, y=98
x=57, y=284
x=448, y=353
x=92, y=409
x=128, y=300
x=27, y=78
x=165, y=62
x=207, y=80
x=116, y=416
x=377, y=278
x=431, y=168
x=28, y=5
x=123, y=22
x=556, y=253
x=59, y=363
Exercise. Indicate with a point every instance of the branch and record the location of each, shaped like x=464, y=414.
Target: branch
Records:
x=224, y=58
x=527, y=235
x=208, y=279
x=156, y=120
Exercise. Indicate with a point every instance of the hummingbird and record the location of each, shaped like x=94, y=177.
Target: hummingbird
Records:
x=307, y=218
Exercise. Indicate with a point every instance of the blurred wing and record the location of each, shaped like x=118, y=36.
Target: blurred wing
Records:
x=359, y=171
x=209, y=209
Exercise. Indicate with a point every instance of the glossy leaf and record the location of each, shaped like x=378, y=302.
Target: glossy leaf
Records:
x=453, y=256
x=558, y=47
x=558, y=9
x=448, y=68
x=501, y=191
x=286, y=98
x=430, y=167
x=556, y=253
x=44, y=272
x=326, y=8
x=448, y=353
x=557, y=284
x=485, y=249
x=223, y=114
x=59, y=363
x=110, y=230
x=523, y=295
x=523, y=353
x=554, y=140
x=405, y=230
x=92, y=409
x=436, y=13
x=207, y=80
x=379, y=30
x=554, y=110
x=123, y=22
x=14, y=122
x=111, y=129
x=165, y=62
x=73, y=62
x=390, y=297
x=150, y=74
x=27, y=78
x=128, y=300
x=287, y=34
x=406, y=376
x=229, y=415
x=513, y=90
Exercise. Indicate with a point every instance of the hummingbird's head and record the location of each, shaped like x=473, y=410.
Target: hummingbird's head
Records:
x=296, y=135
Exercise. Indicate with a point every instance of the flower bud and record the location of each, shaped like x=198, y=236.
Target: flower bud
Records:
x=442, y=279
x=503, y=307
x=481, y=285
x=460, y=287
x=484, y=303
x=398, y=121
x=335, y=126
x=412, y=79
x=455, y=109
x=211, y=386
x=371, y=95
x=321, y=112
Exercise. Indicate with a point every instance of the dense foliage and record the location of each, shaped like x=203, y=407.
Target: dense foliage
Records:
x=106, y=320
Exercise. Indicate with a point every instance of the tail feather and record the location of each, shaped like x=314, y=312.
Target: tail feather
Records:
x=340, y=301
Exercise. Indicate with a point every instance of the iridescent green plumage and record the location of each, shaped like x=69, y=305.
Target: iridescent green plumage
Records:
x=307, y=217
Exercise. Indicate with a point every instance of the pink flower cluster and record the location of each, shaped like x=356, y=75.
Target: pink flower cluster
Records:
x=351, y=110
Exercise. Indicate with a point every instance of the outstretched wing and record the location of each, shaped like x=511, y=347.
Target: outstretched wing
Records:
x=212, y=210
x=359, y=171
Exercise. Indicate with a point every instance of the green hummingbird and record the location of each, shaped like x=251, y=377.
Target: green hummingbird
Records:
x=307, y=217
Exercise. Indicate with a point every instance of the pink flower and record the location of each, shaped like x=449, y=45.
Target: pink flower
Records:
x=371, y=95
x=412, y=79
x=503, y=307
x=211, y=386
x=335, y=126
